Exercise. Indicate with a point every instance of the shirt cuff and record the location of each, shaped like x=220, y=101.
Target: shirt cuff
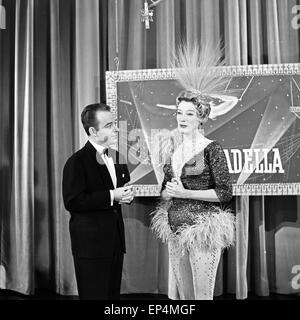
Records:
x=111, y=197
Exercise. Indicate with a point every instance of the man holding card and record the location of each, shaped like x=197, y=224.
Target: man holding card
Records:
x=94, y=187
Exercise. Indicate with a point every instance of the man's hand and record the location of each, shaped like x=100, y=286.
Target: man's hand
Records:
x=124, y=194
x=127, y=198
x=126, y=201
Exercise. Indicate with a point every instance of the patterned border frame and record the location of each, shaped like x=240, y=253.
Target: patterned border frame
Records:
x=266, y=189
x=113, y=77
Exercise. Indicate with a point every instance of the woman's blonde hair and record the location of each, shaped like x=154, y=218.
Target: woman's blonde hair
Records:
x=200, y=103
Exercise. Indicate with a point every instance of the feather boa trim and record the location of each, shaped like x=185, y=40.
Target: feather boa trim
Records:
x=211, y=230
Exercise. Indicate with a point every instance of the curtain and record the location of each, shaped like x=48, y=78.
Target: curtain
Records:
x=36, y=137
x=53, y=58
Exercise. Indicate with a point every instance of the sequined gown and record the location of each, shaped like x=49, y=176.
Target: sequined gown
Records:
x=196, y=231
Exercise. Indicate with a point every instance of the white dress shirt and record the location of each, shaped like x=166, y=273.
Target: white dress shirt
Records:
x=110, y=166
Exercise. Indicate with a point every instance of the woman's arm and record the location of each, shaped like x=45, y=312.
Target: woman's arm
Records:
x=204, y=195
x=175, y=189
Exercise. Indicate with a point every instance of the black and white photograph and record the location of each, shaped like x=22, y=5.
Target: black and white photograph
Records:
x=149, y=152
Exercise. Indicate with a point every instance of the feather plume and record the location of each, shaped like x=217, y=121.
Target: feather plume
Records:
x=160, y=224
x=195, y=68
x=211, y=230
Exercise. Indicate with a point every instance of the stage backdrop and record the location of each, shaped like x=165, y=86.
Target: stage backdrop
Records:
x=260, y=133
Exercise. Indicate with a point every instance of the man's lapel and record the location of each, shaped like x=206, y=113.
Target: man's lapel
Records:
x=104, y=173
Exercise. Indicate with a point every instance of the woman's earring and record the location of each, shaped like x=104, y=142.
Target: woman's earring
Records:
x=201, y=129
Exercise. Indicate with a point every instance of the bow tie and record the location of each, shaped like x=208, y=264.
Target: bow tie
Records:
x=105, y=151
x=100, y=157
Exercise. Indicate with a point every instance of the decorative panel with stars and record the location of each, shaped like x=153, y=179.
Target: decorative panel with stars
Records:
x=256, y=119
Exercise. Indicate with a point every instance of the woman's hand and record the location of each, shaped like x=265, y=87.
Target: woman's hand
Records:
x=165, y=195
x=175, y=189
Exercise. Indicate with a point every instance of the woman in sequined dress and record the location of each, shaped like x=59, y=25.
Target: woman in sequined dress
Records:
x=193, y=217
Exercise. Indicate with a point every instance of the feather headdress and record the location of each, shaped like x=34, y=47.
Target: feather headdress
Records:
x=196, y=69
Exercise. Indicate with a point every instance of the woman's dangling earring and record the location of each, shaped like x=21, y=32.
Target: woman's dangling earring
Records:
x=201, y=128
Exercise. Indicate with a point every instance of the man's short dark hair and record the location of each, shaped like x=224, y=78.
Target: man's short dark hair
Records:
x=88, y=115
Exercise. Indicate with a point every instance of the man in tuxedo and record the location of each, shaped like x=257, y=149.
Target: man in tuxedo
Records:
x=93, y=190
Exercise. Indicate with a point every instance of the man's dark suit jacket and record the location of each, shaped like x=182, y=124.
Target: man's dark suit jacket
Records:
x=94, y=223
